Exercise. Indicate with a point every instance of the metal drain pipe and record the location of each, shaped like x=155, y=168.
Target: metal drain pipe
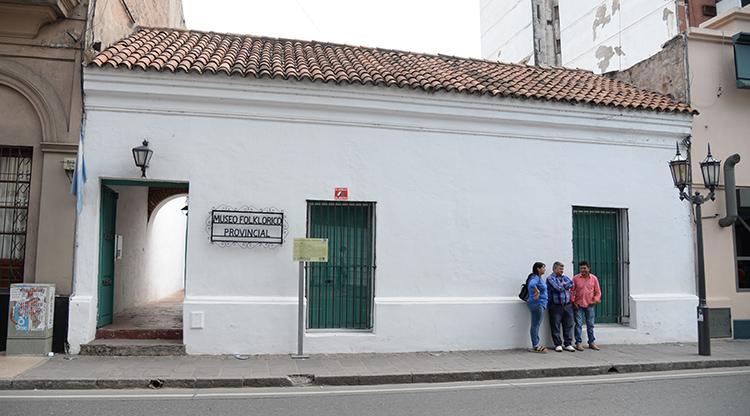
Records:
x=730, y=191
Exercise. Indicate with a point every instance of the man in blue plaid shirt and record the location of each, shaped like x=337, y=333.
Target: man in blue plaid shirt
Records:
x=560, y=308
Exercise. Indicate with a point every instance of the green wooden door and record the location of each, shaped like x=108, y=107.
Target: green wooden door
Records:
x=340, y=291
x=596, y=239
x=108, y=216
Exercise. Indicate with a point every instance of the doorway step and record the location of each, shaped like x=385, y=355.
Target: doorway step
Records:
x=151, y=329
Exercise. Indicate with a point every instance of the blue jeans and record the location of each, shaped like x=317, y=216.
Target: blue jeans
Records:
x=590, y=314
x=561, y=314
x=537, y=313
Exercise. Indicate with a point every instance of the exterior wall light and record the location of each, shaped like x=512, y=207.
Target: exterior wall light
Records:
x=710, y=168
x=142, y=156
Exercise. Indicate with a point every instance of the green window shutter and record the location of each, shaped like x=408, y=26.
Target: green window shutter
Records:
x=742, y=59
x=596, y=239
x=340, y=292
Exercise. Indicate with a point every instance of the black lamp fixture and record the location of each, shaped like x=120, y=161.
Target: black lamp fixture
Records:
x=679, y=167
x=710, y=168
x=142, y=156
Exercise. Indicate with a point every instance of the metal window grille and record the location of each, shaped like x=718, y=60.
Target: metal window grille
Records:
x=340, y=292
x=15, y=187
x=597, y=239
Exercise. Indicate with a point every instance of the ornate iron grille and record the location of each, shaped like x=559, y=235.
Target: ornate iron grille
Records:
x=15, y=187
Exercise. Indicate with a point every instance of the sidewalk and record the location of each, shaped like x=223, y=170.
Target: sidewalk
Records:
x=90, y=372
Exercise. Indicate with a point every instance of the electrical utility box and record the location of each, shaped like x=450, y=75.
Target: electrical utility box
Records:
x=31, y=318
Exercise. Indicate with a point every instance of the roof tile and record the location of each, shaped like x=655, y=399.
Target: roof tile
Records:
x=172, y=50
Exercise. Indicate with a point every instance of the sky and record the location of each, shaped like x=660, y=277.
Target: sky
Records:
x=433, y=26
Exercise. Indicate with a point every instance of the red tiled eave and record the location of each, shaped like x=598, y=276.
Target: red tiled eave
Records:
x=171, y=50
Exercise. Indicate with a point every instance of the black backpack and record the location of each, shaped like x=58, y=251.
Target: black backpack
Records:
x=524, y=293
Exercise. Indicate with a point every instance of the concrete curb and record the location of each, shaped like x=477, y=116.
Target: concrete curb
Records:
x=364, y=379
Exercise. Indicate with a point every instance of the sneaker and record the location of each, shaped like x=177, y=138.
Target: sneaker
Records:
x=594, y=347
x=570, y=348
x=579, y=347
x=558, y=348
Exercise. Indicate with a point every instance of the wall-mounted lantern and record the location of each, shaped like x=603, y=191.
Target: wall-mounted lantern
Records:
x=142, y=156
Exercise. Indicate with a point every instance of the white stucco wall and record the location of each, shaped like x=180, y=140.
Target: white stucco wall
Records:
x=506, y=31
x=613, y=35
x=723, y=6
x=165, y=263
x=597, y=35
x=470, y=192
x=131, y=283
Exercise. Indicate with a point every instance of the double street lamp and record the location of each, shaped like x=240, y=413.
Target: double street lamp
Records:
x=681, y=175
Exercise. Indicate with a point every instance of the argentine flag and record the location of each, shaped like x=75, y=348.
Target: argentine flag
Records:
x=79, y=177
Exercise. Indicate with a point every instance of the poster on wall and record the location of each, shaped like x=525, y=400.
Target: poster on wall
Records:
x=247, y=227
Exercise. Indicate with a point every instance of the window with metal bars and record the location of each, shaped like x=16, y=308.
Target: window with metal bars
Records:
x=15, y=187
x=597, y=238
x=340, y=291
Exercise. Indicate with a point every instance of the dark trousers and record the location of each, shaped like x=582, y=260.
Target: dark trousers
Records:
x=564, y=314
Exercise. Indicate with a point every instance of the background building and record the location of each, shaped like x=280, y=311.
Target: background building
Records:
x=43, y=44
x=598, y=35
x=704, y=64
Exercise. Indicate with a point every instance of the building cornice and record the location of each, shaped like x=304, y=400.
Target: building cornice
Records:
x=24, y=18
x=716, y=23
x=50, y=147
x=710, y=35
x=24, y=21
x=375, y=107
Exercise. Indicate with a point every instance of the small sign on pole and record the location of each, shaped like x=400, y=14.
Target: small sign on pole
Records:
x=310, y=249
x=306, y=250
x=341, y=194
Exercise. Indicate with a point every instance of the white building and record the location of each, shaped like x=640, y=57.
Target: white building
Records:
x=597, y=35
x=452, y=194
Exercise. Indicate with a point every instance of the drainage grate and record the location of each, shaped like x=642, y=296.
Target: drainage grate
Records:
x=301, y=379
x=156, y=383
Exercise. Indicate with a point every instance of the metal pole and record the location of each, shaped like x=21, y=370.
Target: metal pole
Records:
x=301, y=313
x=704, y=335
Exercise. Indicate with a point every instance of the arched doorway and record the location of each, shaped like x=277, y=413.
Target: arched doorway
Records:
x=141, y=292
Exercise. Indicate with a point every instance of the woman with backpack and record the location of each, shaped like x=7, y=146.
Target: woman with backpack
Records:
x=537, y=303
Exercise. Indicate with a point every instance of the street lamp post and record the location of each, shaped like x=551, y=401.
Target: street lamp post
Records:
x=681, y=175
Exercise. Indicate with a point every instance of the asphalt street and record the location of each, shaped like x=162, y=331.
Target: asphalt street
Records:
x=708, y=392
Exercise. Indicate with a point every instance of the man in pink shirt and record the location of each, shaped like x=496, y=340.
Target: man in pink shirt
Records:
x=584, y=295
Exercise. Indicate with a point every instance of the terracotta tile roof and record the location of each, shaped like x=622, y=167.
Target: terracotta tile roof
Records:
x=171, y=50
